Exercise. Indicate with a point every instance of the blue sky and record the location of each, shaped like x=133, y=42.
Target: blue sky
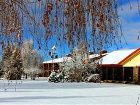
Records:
x=130, y=19
x=131, y=25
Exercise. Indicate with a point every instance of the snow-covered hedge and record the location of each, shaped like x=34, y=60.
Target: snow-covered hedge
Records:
x=57, y=77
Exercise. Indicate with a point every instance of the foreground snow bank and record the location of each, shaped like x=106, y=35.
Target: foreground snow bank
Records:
x=43, y=93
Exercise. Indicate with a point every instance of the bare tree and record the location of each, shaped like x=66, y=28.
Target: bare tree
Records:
x=77, y=69
x=64, y=20
x=80, y=66
x=31, y=59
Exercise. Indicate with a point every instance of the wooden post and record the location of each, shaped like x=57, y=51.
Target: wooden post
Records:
x=48, y=73
x=123, y=73
x=43, y=69
x=106, y=73
x=113, y=73
x=135, y=74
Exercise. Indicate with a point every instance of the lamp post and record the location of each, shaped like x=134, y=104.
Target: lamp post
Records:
x=52, y=54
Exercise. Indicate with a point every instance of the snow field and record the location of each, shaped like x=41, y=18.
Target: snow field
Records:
x=41, y=92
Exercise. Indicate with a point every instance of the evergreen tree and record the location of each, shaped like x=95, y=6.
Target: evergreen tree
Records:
x=12, y=63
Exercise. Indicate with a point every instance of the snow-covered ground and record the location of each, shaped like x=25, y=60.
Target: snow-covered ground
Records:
x=40, y=92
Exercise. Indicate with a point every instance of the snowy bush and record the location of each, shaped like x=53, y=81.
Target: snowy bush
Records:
x=57, y=77
x=77, y=72
x=94, y=78
x=76, y=69
x=53, y=77
x=33, y=72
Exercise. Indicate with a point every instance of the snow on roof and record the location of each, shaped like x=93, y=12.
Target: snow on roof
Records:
x=116, y=56
x=58, y=60
x=64, y=59
x=110, y=58
x=93, y=56
x=96, y=55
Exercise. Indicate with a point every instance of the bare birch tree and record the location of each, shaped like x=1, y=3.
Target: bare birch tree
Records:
x=65, y=20
x=31, y=59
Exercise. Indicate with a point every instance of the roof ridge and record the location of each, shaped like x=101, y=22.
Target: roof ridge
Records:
x=130, y=56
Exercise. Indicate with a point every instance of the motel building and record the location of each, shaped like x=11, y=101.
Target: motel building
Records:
x=122, y=65
x=53, y=65
x=57, y=64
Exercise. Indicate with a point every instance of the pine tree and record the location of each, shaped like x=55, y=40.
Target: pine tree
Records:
x=12, y=63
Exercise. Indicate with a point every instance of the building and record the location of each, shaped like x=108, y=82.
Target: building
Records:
x=122, y=65
x=53, y=65
x=57, y=64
